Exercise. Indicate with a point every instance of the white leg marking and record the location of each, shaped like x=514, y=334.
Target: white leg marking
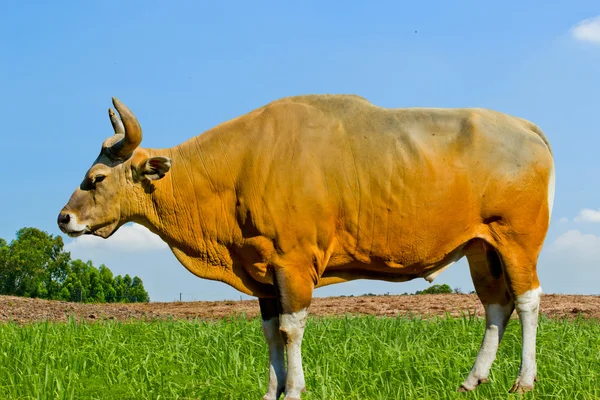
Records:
x=528, y=306
x=276, y=359
x=496, y=319
x=292, y=325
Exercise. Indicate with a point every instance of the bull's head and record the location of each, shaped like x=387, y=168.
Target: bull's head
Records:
x=114, y=189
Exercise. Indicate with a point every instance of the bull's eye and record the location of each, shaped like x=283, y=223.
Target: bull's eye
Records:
x=99, y=178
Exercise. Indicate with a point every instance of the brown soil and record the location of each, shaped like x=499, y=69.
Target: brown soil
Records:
x=24, y=310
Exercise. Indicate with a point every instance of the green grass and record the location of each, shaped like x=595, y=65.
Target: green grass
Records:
x=344, y=358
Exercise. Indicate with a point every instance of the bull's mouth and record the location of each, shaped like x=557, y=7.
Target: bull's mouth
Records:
x=75, y=234
x=104, y=231
x=70, y=225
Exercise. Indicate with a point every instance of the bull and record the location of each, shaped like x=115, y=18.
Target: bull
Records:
x=315, y=190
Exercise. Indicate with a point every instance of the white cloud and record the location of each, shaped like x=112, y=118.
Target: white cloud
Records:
x=570, y=264
x=129, y=238
x=584, y=244
x=587, y=30
x=588, y=215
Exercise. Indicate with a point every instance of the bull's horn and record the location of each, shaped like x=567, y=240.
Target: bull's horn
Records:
x=116, y=122
x=133, y=131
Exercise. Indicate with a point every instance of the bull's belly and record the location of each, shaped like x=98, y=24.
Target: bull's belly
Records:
x=344, y=267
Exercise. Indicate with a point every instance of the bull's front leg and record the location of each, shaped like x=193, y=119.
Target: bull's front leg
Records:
x=295, y=294
x=269, y=311
x=292, y=328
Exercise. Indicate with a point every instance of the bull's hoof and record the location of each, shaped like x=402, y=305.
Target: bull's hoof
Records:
x=519, y=388
x=270, y=396
x=465, y=387
x=295, y=396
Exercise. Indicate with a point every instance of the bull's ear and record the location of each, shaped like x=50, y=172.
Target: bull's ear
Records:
x=153, y=168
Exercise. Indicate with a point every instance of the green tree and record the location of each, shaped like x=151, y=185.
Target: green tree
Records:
x=108, y=284
x=436, y=289
x=138, y=293
x=119, y=289
x=33, y=264
x=81, y=279
x=95, y=291
x=3, y=264
x=129, y=290
x=36, y=265
x=126, y=289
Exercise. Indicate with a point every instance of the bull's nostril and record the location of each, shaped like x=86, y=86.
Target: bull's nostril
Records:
x=63, y=218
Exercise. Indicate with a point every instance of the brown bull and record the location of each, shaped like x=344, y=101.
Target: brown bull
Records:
x=314, y=190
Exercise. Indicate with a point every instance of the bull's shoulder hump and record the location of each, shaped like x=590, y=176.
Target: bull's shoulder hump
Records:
x=335, y=105
x=323, y=100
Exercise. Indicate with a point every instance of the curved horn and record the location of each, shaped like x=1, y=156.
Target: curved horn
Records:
x=133, y=132
x=116, y=122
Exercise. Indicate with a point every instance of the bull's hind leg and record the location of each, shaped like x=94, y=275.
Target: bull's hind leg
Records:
x=524, y=286
x=486, y=272
x=269, y=310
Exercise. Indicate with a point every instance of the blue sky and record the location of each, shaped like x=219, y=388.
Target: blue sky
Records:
x=186, y=66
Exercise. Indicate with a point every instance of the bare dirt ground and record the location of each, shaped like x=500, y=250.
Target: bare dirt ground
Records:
x=25, y=310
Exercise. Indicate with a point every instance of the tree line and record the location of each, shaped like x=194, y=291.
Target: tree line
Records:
x=35, y=264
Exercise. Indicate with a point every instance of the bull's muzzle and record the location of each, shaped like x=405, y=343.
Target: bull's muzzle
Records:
x=67, y=222
x=63, y=221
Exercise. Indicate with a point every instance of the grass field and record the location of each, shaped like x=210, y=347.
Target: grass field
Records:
x=344, y=358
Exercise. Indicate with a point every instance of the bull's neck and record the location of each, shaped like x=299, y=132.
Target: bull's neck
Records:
x=193, y=206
